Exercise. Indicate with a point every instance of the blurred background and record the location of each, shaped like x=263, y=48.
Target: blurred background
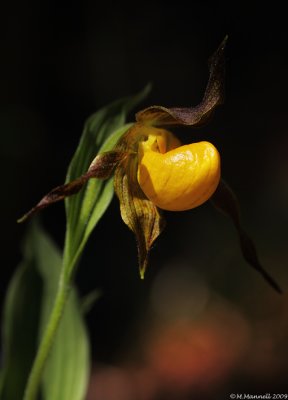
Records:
x=203, y=323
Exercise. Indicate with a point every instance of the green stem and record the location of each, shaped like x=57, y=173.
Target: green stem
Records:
x=47, y=338
x=49, y=332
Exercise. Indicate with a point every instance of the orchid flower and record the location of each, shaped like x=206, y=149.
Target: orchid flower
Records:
x=153, y=171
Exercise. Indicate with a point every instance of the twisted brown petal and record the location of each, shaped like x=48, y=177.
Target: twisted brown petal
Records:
x=225, y=200
x=101, y=167
x=192, y=116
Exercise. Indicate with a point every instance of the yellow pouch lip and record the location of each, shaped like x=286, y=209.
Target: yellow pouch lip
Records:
x=180, y=179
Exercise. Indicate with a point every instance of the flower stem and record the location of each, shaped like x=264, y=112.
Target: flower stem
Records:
x=47, y=338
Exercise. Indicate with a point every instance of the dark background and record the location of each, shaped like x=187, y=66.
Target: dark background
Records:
x=61, y=61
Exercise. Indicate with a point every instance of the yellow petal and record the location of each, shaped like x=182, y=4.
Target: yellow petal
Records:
x=180, y=179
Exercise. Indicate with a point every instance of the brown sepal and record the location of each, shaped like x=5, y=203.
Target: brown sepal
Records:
x=192, y=116
x=101, y=167
x=138, y=213
x=225, y=200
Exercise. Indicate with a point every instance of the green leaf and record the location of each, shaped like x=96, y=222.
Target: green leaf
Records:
x=67, y=367
x=101, y=132
x=29, y=301
x=20, y=327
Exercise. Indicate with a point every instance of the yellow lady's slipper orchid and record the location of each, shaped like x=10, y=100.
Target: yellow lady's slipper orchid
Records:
x=154, y=172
